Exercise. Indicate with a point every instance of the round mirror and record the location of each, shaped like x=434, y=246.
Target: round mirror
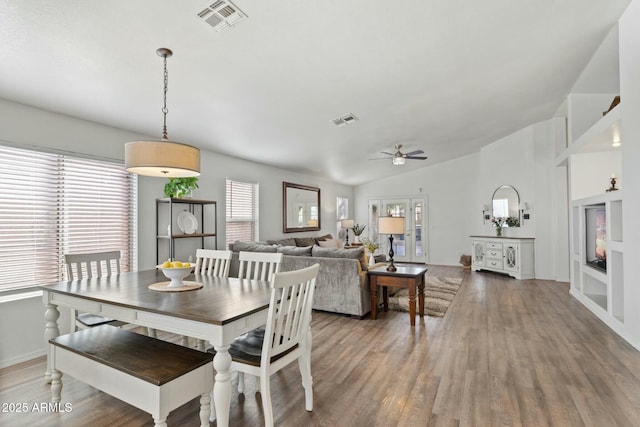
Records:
x=506, y=204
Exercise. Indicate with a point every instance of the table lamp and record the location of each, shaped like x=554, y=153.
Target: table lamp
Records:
x=347, y=224
x=391, y=225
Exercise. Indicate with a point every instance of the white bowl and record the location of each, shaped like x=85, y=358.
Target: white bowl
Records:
x=176, y=275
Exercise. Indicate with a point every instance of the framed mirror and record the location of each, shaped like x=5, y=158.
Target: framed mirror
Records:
x=505, y=203
x=300, y=208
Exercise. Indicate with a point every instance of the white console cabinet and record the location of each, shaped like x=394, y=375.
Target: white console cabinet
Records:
x=510, y=255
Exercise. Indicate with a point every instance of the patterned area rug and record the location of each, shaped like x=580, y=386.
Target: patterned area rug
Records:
x=438, y=294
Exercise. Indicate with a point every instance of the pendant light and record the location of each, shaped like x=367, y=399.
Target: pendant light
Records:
x=162, y=158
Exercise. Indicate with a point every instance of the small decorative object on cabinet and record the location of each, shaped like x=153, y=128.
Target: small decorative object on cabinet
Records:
x=188, y=223
x=510, y=255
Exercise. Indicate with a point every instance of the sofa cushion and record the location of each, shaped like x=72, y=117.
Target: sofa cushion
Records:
x=283, y=242
x=355, y=253
x=325, y=237
x=305, y=241
x=294, y=250
x=252, y=247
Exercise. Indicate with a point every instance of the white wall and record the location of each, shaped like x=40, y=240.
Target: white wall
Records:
x=27, y=126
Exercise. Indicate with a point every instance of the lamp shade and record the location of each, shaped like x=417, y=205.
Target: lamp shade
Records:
x=165, y=159
x=391, y=225
x=347, y=223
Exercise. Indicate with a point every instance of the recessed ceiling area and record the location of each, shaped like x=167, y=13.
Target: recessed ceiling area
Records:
x=443, y=77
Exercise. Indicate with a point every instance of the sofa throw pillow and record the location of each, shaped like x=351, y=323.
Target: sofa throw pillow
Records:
x=305, y=241
x=252, y=247
x=356, y=253
x=294, y=250
x=283, y=242
x=321, y=238
x=331, y=243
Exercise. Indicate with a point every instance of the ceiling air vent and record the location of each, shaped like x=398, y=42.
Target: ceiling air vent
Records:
x=344, y=120
x=221, y=14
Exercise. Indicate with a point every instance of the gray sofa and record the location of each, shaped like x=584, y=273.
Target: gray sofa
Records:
x=341, y=286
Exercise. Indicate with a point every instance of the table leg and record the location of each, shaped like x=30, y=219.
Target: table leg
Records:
x=421, y=298
x=373, y=291
x=412, y=302
x=385, y=298
x=222, y=386
x=51, y=330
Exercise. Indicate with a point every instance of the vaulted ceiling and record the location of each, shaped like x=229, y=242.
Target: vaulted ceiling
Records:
x=443, y=76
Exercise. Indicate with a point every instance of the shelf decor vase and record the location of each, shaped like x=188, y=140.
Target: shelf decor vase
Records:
x=499, y=231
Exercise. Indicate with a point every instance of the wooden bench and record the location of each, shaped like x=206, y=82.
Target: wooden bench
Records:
x=153, y=375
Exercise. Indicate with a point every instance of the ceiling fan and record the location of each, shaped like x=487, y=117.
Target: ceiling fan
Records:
x=398, y=158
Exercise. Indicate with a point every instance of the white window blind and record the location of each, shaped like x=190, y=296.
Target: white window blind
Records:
x=55, y=204
x=241, y=211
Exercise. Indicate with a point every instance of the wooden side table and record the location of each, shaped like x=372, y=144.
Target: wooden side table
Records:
x=406, y=276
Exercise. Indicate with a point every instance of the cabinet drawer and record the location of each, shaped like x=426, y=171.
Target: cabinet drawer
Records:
x=494, y=253
x=494, y=263
x=491, y=245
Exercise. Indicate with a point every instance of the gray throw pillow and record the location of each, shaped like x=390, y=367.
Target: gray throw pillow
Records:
x=252, y=247
x=294, y=250
x=283, y=242
x=305, y=241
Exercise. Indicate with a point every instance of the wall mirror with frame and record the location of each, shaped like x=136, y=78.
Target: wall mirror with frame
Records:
x=300, y=208
x=505, y=203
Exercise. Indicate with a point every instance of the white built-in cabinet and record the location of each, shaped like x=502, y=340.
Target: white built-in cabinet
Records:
x=509, y=255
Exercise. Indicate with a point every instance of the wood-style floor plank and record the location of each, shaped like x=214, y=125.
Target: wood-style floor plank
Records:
x=508, y=353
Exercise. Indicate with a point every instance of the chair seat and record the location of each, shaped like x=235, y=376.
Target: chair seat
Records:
x=91, y=320
x=247, y=348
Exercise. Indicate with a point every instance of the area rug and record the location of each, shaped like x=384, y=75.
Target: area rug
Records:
x=438, y=294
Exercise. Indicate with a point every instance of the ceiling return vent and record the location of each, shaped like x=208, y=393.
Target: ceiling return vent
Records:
x=221, y=14
x=344, y=120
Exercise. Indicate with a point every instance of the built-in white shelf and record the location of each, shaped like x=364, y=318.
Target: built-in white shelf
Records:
x=597, y=138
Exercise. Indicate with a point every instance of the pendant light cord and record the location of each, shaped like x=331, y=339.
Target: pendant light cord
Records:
x=164, y=108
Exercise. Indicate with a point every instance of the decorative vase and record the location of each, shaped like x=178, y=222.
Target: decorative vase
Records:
x=372, y=259
x=499, y=231
x=356, y=239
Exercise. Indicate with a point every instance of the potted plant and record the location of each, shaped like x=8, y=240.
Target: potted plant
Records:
x=357, y=231
x=371, y=247
x=178, y=188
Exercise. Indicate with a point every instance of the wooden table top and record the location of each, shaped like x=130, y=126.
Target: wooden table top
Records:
x=219, y=301
x=402, y=270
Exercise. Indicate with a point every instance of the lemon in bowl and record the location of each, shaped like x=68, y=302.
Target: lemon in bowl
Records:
x=176, y=271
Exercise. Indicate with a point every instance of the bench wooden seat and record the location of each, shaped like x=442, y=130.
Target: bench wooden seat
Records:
x=153, y=375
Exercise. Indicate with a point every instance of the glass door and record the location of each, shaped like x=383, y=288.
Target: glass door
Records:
x=412, y=245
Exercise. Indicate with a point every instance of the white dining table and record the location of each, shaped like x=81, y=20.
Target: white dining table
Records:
x=219, y=312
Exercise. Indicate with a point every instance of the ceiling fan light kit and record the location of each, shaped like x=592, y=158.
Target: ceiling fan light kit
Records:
x=163, y=158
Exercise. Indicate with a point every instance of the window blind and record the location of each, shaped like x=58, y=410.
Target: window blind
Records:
x=241, y=211
x=55, y=204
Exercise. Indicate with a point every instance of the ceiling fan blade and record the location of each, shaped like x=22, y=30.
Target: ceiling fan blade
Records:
x=416, y=157
x=413, y=153
x=380, y=158
x=388, y=154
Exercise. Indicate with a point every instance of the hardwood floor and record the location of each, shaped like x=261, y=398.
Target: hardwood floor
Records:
x=508, y=352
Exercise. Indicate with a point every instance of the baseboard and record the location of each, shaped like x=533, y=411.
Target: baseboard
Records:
x=22, y=358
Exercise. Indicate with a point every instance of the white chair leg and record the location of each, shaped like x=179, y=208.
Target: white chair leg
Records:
x=152, y=333
x=266, y=401
x=240, y=382
x=56, y=385
x=307, y=382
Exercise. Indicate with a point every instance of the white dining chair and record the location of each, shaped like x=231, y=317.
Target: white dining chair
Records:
x=213, y=263
x=88, y=265
x=287, y=333
x=257, y=266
